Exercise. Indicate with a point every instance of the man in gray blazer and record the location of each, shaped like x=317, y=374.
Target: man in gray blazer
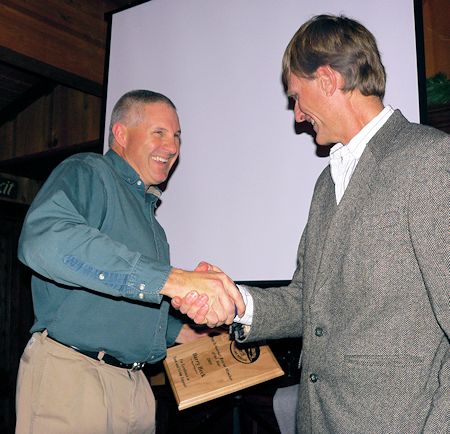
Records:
x=370, y=295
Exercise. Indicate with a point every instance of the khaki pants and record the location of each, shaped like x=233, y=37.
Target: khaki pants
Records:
x=62, y=391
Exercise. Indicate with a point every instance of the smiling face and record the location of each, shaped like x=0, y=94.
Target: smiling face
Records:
x=311, y=105
x=151, y=144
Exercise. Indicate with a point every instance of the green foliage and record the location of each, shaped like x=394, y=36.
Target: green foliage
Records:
x=438, y=90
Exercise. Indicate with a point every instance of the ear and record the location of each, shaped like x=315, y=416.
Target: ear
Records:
x=120, y=134
x=329, y=79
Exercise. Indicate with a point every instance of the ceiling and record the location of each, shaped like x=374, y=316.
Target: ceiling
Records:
x=20, y=84
x=45, y=44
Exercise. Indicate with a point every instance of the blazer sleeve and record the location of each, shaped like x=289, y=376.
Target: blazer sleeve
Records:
x=429, y=225
x=277, y=311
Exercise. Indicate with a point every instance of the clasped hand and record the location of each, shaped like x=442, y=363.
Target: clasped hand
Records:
x=206, y=295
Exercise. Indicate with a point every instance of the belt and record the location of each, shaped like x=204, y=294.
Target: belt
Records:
x=108, y=359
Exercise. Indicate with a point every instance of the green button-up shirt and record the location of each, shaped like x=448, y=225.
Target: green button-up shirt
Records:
x=100, y=259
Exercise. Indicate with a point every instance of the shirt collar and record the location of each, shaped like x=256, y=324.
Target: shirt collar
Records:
x=127, y=173
x=357, y=144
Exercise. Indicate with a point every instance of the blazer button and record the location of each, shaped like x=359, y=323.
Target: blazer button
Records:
x=318, y=331
x=313, y=378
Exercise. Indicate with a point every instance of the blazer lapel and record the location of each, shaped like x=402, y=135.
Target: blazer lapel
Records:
x=336, y=240
x=340, y=218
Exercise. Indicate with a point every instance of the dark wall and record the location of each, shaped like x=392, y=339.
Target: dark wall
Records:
x=16, y=313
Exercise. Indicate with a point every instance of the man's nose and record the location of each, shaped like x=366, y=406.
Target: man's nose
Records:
x=172, y=145
x=298, y=114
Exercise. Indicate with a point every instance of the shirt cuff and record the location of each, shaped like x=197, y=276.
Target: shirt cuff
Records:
x=247, y=318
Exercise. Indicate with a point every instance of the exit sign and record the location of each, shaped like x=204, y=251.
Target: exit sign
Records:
x=8, y=188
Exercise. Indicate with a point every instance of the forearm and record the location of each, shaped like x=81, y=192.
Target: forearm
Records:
x=61, y=242
x=276, y=313
x=83, y=257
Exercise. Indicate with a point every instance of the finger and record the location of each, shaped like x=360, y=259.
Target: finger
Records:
x=200, y=317
x=176, y=302
x=202, y=300
x=213, y=325
x=212, y=320
x=192, y=305
x=187, y=301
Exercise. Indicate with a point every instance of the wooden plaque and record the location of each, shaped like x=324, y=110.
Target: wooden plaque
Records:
x=212, y=367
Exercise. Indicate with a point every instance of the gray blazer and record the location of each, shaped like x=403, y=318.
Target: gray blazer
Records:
x=371, y=293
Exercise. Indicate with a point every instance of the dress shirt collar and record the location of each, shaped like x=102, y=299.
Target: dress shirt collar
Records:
x=344, y=158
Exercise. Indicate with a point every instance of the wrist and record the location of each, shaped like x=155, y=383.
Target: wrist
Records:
x=175, y=284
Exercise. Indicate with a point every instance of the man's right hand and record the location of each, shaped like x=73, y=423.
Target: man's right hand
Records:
x=223, y=298
x=193, y=305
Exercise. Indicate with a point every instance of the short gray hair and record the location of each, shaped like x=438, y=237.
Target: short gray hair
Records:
x=134, y=99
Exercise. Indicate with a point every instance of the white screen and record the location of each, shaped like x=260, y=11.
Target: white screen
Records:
x=240, y=195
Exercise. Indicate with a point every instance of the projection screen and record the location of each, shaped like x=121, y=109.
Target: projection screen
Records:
x=240, y=195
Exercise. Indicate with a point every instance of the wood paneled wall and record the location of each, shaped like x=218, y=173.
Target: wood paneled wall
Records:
x=68, y=35
x=16, y=313
x=436, y=27
x=63, y=118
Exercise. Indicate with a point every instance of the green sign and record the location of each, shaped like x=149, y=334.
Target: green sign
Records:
x=8, y=188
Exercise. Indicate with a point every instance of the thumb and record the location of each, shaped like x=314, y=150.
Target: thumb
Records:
x=203, y=266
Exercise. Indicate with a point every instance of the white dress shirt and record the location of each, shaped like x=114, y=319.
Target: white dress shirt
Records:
x=344, y=158
x=343, y=162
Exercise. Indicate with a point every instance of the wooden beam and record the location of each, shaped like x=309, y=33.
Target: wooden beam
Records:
x=58, y=75
x=62, y=40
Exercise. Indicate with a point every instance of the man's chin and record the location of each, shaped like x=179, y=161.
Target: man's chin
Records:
x=160, y=180
x=322, y=141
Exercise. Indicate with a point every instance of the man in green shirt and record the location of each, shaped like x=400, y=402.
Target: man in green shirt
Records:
x=103, y=279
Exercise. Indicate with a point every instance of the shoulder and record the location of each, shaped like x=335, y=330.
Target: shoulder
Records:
x=407, y=143
x=415, y=138
x=423, y=146
x=88, y=164
x=423, y=137
x=415, y=155
x=79, y=174
x=85, y=160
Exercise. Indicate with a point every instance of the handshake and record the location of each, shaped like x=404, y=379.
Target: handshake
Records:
x=206, y=295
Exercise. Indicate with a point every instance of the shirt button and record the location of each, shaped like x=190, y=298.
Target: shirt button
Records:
x=141, y=295
x=313, y=378
x=101, y=276
x=318, y=331
x=139, y=182
x=142, y=286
